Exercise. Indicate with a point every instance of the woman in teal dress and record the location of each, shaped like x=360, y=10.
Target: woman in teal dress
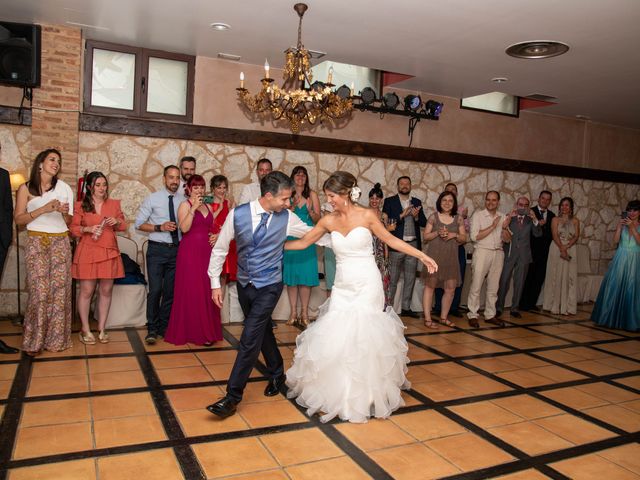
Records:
x=300, y=271
x=618, y=302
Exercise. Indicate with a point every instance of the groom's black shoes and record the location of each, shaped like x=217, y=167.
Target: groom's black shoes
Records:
x=274, y=385
x=225, y=407
x=409, y=313
x=4, y=348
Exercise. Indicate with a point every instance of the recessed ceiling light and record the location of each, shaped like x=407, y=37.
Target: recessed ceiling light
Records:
x=220, y=26
x=499, y=79
x=535, y=49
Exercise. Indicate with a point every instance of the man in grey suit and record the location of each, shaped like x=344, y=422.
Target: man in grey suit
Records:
x=517, y=253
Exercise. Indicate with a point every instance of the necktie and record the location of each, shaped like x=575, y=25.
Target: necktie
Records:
x=172, y=218
x=261, y=229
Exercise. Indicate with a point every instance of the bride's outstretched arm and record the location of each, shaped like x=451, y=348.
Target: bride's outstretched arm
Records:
x=383, y=234
x=311, y=237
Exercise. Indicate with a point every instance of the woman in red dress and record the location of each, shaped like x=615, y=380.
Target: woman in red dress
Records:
x=221, y=207
x=194, y=317
x=97, y=258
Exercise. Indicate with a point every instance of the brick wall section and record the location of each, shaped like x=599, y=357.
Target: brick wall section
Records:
x=57, y=102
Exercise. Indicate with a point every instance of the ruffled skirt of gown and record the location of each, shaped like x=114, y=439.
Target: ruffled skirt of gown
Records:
x=351, y=362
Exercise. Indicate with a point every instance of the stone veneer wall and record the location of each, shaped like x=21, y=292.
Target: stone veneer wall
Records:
x=134, y=168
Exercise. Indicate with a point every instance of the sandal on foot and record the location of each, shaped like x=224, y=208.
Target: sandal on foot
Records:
x=447, y=323
x=87, y=338
x=103, y=336
x=431, y=324
x=292, y=320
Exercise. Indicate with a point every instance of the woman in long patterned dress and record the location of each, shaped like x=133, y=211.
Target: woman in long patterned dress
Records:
x=380, y=250
x=561, y=281
x=300, y=271
x=618, y=303
x=194, y=317
x=443, y=233
x=97, y=260
x=221, y=206
x=45, y=205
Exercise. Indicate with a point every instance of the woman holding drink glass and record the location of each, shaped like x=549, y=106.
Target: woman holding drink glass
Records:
x=194, y=317
x=97, y=260
x=44, y=205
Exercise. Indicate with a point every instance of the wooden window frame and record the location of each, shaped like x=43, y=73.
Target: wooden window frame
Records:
x=140, y=90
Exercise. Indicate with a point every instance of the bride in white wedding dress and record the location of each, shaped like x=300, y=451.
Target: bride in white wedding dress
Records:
x=351, y=362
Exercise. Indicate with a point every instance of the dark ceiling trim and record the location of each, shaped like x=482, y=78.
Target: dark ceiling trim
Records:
x=11, y=116
x=151, y=128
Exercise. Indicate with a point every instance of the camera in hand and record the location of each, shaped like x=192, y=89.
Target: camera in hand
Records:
x=207, y=199
x=624, y=215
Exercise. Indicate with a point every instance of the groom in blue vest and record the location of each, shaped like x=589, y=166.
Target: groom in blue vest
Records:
x=260, y=229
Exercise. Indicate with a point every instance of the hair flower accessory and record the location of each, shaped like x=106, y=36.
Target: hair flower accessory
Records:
x=355, y=193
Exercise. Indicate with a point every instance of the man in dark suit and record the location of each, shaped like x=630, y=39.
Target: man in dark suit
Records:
x=6, y=232
x=406, y=213
x=517, y=254
x=540, y=252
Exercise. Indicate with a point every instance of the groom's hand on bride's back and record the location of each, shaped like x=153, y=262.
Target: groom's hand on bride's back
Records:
x=216, y=296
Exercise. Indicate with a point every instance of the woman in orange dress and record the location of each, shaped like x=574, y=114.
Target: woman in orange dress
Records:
x=221, y=207
x=97, y=258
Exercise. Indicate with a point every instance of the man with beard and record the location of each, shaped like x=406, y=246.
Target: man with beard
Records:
x=187, y=170
x=157, y=217
x=252, y=191
x=406, y=212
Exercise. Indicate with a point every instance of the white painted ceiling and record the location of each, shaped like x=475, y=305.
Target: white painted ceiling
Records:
x=452, y=47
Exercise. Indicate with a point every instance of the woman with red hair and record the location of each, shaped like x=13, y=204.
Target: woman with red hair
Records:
x=194, y=317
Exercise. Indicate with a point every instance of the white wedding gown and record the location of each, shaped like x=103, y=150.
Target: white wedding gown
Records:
x=351, y=362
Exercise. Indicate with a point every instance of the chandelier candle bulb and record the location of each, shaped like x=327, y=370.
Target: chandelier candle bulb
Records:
x=266, y=68
x=330, y=77
x=352, y=88
x=241, y=79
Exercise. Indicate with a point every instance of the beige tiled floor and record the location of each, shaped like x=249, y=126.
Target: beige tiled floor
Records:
x=481, y=403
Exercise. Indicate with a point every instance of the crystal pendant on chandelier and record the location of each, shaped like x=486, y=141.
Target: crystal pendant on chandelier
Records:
x=293, y=103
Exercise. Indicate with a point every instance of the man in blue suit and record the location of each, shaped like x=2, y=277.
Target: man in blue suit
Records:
x=406, y=213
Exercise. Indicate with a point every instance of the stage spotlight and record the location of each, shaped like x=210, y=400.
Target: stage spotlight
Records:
x=390, y=101
x=412, y=103
x=368, y=96
x=317, y=86
x=433, y=108
x=344, y=92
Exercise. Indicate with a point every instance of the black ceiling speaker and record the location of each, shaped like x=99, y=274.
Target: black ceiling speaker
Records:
x=20, y=54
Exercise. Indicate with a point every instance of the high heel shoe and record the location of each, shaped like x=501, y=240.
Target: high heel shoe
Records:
x=304, y=320
x=292, y=320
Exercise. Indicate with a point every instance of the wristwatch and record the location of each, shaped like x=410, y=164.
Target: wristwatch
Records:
x=156, y=228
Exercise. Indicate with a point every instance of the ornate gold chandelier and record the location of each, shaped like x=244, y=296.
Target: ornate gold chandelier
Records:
x=293, y=103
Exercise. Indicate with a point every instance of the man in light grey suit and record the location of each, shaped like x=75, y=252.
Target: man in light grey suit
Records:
x=517, y=253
